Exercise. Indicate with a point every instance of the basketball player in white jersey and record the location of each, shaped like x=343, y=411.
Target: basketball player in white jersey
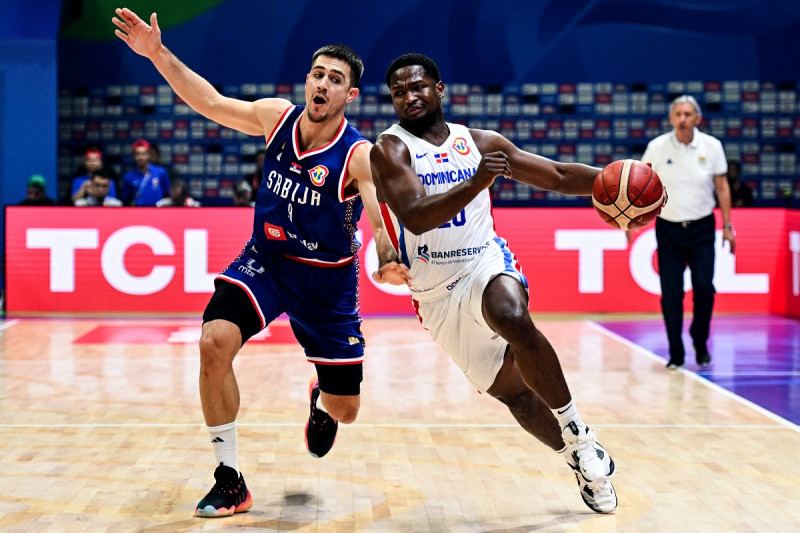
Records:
x=433, y=180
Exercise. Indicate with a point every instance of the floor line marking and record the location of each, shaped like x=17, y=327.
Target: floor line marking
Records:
x=368, y=425
x=7, y=324
x=696, y=377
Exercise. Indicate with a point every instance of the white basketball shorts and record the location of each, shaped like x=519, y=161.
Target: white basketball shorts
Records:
x=456, y=321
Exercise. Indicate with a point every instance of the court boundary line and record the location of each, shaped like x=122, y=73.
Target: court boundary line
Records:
x=8, y=323
x=693, y=375
x=368, y=425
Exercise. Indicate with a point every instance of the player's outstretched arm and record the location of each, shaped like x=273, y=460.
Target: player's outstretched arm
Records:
x=199, y=94
x=566, y=178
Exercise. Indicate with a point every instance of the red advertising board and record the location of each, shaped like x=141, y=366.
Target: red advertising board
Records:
x=155, y=260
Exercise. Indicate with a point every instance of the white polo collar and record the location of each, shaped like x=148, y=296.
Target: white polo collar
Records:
x=694, y=142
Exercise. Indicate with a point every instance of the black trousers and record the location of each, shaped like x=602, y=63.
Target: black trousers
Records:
x=682, y=244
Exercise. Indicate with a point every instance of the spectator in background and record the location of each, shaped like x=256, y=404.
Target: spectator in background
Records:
x=243, y=194
x=178, y=196
x=255, y=177
x=92, y=161
x=146, y=184
x=98, y=189
x=741, y=193
x=36, y=192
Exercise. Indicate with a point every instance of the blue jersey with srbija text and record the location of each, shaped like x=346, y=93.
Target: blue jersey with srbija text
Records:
x=301, y=209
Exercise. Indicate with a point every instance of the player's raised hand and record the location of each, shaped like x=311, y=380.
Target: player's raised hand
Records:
x=143, y=39
x=393, y=273
x=492, y=165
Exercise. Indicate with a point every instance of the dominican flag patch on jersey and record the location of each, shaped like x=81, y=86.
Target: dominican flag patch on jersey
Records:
x=296, y=168
x=441, y=158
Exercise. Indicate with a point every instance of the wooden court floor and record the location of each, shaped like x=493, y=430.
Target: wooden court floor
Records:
x=101, y=430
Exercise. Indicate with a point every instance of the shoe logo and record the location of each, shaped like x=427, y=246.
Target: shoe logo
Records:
x=217, y=439
x=574, y=428
x=420, y=156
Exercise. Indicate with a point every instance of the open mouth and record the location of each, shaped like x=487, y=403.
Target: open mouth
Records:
x=319, y=100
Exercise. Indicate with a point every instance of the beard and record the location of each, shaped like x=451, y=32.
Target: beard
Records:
x=422, y=123
x=332, y=111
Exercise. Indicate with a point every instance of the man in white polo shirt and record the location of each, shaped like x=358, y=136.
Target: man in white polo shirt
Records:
x=692, y=166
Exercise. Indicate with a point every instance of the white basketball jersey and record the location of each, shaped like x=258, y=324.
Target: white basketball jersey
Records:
x=438, y=258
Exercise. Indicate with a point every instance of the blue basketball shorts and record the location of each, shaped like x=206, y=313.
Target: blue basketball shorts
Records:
x=321, y=302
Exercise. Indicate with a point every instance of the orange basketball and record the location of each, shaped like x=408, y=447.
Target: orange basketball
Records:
x=628, y=194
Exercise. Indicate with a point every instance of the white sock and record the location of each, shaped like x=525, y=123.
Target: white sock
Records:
x=567, y=414
x=319, y=403
x=223, y=441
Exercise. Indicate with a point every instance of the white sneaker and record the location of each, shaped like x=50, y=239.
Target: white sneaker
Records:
x=599, y=496
x=592, y=461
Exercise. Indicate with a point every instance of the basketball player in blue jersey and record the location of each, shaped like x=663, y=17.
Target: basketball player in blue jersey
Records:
x=434, y=178
x=301, y=258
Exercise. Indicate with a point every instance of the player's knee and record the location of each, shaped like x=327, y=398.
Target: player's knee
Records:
x=507, y=315
x=215, y=351
x=347, y=416
x=345, y=412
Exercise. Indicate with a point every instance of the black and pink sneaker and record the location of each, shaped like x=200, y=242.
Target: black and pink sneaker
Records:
x=229, y=495
x=320, y=428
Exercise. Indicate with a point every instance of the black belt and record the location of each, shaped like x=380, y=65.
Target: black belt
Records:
x=687, y=223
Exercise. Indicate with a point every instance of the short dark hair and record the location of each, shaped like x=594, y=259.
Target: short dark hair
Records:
x=103, y=173
x=346, y=54
x=407, y=60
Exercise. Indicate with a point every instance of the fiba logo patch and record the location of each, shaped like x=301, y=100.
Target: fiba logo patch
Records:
x=422, y=253
x=460, y=145
x=318, y=174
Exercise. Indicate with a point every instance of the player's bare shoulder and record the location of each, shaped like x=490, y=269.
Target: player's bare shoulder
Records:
x=389, y=148
x=489, y=141
x=270, y=111
x=358, y=169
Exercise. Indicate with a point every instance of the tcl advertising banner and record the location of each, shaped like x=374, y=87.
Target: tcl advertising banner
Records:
x=164, y=260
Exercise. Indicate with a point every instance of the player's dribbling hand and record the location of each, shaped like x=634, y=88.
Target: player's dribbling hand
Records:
x=492, y=165
x=392, y=273
x=143, y=39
